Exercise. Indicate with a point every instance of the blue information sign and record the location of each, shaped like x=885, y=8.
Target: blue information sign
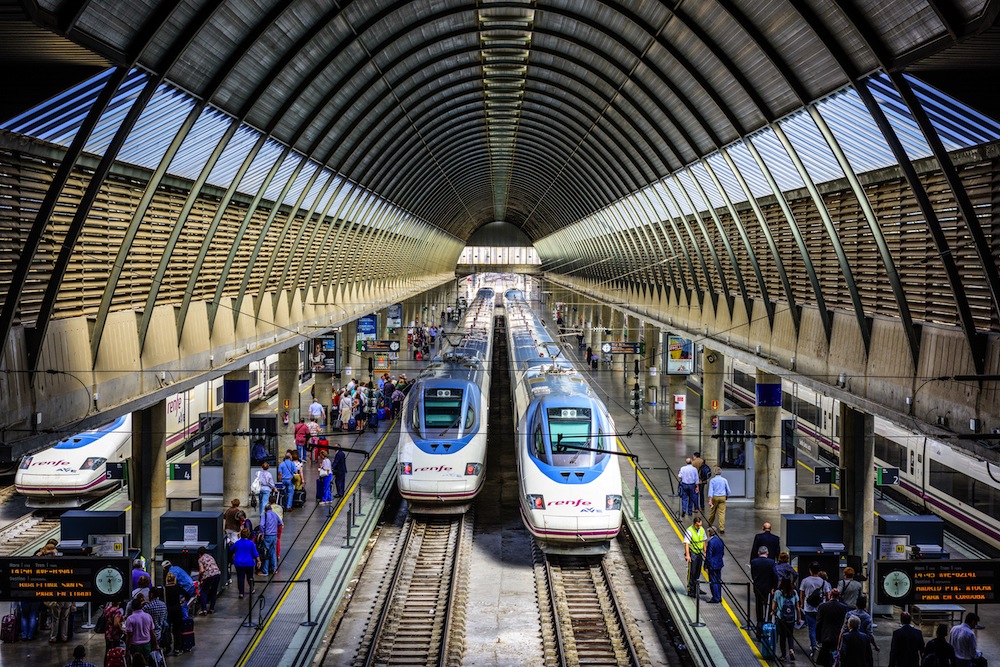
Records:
x=367, y=327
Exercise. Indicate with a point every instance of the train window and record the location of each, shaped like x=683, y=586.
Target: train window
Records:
x=539, y=442
x=965, y=489
x=570, y=426
x=443, y=409
x=890, y=452
x=470, y=418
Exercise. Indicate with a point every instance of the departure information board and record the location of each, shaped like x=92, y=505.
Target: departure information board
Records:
x=64, y=578
x=937, y=581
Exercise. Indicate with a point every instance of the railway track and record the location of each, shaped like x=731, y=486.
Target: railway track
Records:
x=419, y=622
x=583, y=622
x=31, y=528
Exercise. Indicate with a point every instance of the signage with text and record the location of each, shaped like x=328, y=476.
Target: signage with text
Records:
x=936, y=581
x=64, y=578
x=367, y=327
x=825, y=475
x=180, y=471
x=680, y=355
x=380, y=346
x=622, y=347
x=886, y=476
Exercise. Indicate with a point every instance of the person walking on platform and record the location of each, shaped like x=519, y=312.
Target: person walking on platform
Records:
x=325, y=477
x=829, y=621
x=140, y=633
x=688, y=488
x=286, y=475
x=715, y=551
x=694, y=553
x=940, y=648
x=79, y=653
x=269, y=525
x=907, y=644
x=265, y=481
x=850, y=588
x=210, y=576
x=855, y=645
x=301, y=437
x=245, y=560
x=339, y=469
x=812, y=593
x=766, y=539
x=963, y=640
x=704, y=473
x=785, y=608
x=765, y=579
x=718, y=492
x=316, y=410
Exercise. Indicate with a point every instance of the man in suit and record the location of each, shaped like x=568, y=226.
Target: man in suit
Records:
x=829, y=622
x=855, y=646
x=765, y=578
x=766, y=539
x=907, y=644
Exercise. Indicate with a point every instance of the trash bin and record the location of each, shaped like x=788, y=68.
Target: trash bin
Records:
x=651, y=395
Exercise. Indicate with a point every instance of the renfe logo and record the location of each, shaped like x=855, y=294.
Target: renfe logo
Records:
x=50, y=463
x=570, y=503
x=176, y=405
x=434, y=469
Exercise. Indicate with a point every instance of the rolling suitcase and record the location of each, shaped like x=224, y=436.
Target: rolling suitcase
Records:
x=768, y=636
x=115, y=657
x=299, y=498
x=319, y=489
x=9, y=627
x=187, y=635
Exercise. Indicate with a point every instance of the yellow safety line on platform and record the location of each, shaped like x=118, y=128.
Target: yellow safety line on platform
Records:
x=322, y=536
x=749, y=640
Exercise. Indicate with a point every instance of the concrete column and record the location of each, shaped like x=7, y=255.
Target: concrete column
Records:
x=236, y=448
x=767, y=445
x=351, y=356
x=676, y=384
x=713, y=390
x=288, y=397
x=618, y=320
x=651, y=360
x=148, y=484
x=857, y=456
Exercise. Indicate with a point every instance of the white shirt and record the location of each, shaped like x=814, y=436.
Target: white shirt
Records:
x=688, y=474
x=963, y=640
x=315, y=409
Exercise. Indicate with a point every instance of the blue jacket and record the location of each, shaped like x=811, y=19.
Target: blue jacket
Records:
x=714, y=552
x=244, y=553
x=183, y=579
x=287, y=470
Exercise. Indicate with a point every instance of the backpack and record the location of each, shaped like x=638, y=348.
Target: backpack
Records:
x=816, y=597
x=787, y=612
x=255, y=485
x=705, y=472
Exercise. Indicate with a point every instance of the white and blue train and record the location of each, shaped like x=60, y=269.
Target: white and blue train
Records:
x=74, y=471
x=442, y=441
x=569, y=478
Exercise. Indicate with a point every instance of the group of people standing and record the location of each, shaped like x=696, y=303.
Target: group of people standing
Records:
x=837, y=619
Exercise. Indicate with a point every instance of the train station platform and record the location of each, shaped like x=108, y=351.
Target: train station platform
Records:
x=320, y=548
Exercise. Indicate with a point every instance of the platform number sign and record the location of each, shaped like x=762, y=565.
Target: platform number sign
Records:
x=826, y=475
x=886, y=476
x=114, y=470
x=180, y=471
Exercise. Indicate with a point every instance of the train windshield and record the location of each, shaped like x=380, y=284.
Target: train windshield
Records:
x=570, y=429
x=443, y=412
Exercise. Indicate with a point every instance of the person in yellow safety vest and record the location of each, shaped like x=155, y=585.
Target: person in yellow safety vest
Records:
x=694, y=553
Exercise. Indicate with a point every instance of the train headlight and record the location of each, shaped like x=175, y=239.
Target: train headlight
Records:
x=473, y=468
x=537, y=502
x=93, y=463
x=25, y=462
x=405, y=468
x=613, y=502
